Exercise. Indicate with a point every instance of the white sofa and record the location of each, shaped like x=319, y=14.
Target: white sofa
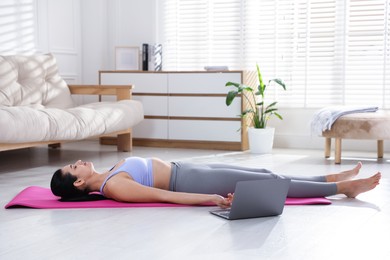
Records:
x=36, y=106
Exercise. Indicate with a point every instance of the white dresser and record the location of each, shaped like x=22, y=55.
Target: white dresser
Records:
x=184, y=109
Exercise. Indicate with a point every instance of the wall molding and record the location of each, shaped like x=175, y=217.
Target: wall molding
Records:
x=68, y=52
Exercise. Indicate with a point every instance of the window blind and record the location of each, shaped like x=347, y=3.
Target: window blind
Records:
x=328, y=52
x=365, y=52
x=199, y=33
x=386, y=80
x=17, y=26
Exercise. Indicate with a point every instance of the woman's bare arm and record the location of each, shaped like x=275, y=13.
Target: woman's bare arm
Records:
x=127, y=190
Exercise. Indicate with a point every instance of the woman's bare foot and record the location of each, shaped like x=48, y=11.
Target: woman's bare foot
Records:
x=352, y=188
x=345, y=175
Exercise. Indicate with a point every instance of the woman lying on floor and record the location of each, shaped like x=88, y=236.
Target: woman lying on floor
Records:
x=136, y=179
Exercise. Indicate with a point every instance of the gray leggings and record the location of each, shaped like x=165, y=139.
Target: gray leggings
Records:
x=222, y=178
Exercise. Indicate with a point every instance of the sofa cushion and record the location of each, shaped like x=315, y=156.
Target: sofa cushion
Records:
x=36, y=123
x=32, y=80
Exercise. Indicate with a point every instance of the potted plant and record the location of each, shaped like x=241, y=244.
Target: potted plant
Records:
x=260, y=136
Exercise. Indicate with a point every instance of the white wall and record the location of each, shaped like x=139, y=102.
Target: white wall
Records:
x=58, y=32
x=294, y=132
x=94, y=38
x=43, y=26
x=110, y=23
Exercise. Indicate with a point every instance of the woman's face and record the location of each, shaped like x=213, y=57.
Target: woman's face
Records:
x=80, y=169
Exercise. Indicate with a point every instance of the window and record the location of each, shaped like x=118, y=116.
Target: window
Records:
x=328, y=52
x=201, y=33
x=17, y=26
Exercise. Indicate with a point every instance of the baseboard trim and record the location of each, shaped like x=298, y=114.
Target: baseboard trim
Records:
x=211, y=145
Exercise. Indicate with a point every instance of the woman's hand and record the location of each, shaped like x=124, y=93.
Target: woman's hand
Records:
x=223, y=202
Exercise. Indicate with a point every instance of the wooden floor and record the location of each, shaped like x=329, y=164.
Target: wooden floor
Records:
x=347, y=229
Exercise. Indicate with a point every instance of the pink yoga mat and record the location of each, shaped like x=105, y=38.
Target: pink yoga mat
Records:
x=42, y=198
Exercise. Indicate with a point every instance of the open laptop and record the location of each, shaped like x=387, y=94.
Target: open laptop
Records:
x=259, y=198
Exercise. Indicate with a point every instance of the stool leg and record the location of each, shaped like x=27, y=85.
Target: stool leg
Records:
x=380, y=149
x=328, y=146
x=337, y=154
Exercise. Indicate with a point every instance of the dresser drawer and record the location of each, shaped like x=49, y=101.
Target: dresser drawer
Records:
x=143, y=82
x=153, y=105
x=204, y=130
x=205, y=83
x=203, y=107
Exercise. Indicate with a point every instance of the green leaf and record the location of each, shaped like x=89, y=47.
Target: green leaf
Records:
x=261, y=86
x=271, y=105
x=229, y=84
x=279, y=116
x=270, y=110
x=240, y=87
x=230, y=97
x=247, y=112
x=247, y=88
x=280, y=82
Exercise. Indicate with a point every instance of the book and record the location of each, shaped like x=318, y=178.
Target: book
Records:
x=157, y=57
x=145, y=56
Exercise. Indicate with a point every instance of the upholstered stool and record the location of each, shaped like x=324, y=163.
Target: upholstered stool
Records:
x=361, y=126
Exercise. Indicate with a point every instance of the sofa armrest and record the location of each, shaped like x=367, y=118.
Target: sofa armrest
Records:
x=120, y=91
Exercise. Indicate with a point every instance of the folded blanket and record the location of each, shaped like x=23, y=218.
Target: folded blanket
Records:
x=324, y=118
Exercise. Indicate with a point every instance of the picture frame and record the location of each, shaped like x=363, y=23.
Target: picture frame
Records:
x=127, y=58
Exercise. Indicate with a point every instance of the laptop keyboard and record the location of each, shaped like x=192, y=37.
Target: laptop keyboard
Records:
x=225, y=213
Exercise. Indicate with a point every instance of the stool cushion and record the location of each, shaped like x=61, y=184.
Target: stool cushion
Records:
x=361, y=126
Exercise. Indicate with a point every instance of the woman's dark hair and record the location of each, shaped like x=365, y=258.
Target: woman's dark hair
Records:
x=62, y=186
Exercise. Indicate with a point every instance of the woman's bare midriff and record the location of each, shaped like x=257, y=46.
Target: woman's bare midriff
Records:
x=161, y=173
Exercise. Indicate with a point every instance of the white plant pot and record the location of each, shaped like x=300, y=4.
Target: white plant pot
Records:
x=261, y=140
